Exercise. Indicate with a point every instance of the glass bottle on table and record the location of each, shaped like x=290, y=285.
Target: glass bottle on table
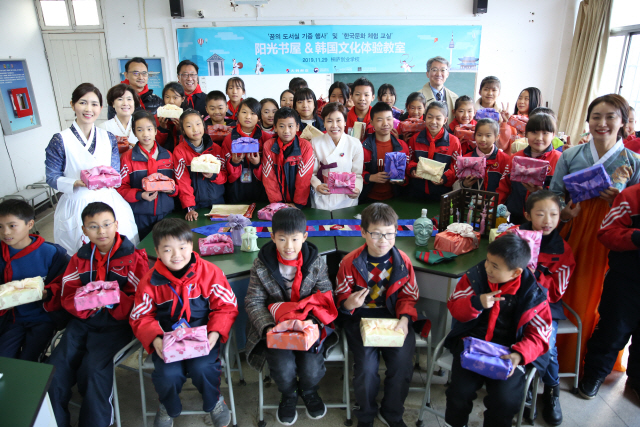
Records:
x=422, y=229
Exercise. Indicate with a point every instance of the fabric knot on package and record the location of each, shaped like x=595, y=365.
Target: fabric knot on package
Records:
x=158, y=182
x=245, y=144
x=341, y=182
x=268, y=211
x=100, y=177
x=293, y=334
x=185, y=343
x=471, y=167
x=411, y=126
x=218, y=133
x=431, y=170
x=484, y=358
x=465, y=132
x=458, y=239
x=310, y=132
x=529, y=171
x=96, y=294
x=237, y=223
x=518, y=122
x=206, y=163
x=395, y=165
x=216, y=244
x=21, y=292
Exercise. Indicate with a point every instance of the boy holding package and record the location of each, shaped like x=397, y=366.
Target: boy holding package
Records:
x=377, y=281
x=288, y=273
x=501, y=302
x=182, y=290
x=25, y=330
x=94, y=336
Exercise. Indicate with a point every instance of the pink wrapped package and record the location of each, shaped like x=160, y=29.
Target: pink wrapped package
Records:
x=529, y=171
x=293, y=335
x=534, y=239
x=216, y=244
x=185, y=343
x=96, y=294
x=465, y=132
x=518, y=122
x=267, y=212
x=471, y=167
x=341, y=182
x=101, y=177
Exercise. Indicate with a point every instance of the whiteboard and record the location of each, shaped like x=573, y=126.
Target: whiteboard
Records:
x=268, y=85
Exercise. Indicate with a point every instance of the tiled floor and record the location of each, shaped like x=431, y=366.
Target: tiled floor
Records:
x=614, y=406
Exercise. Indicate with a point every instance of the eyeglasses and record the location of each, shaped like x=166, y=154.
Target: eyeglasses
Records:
x=377, y=236
x=140, y=73
x=95, y=228
x=188, y=76
x=439, y=70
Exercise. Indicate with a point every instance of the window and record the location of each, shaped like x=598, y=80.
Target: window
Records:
x=69, y=14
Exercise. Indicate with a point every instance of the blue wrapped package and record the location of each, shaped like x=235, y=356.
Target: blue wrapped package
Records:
x=395, y=164
x=587, y=183
x=245, y=144
x=487, y=113
x=483, y=357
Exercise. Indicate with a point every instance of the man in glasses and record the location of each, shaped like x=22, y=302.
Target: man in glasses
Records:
x=434, y=90
x=136, y=74
x=188, y=78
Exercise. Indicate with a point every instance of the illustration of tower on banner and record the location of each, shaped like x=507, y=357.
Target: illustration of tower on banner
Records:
x=451, y=46
x=216, y=65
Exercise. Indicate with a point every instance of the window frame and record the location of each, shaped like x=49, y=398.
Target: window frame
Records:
x=73, y=27
x=626, y=32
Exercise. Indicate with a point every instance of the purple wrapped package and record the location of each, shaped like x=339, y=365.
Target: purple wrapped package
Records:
x=587, y=183
x=395, y=164
x=471, y=167
x=237, y=223
x=245, y=145
x=483, y=358
x=487, y=113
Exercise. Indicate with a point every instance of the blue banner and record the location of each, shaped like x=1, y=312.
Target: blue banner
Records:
x=328, y=48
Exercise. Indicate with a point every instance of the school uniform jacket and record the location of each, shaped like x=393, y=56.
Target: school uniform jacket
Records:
x=513, y=194
x=497, y=162
x=402, y=293
x=237, y=191
x=442, y=151
x=133, y=169
x=197, y=102
x=126, y=266
x=531, y=312
x=371, y=167
x=296, y=171
x=207, y=296
x=195, y=189
x=317, y=123
x=168, y=137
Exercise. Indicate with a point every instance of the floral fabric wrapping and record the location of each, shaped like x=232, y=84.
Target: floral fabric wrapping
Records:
x=96, y=294
x=483, y=358
x=268, y=211
x=293, y=335
x=380, y=333
x=395, y=164
x=245, y=145
x=471, y=167
x=237, y=223
x=529, y=171
x=518, y=122
x=465, y=132
x=431, y=170
x=534, y=239
x=158, y=182
x=487, y=113
x=411, y=126
x=21, y=292
x=587, y=183
x=459, y=239
x=341, y=182
x=101, y=177
x=216, y=244
x=218, y=133
x=185, y=343
x=206, y=163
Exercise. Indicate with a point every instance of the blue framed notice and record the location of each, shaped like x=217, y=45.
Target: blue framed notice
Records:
x=18, y=109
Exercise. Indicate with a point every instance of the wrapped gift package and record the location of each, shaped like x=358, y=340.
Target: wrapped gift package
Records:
x=529, y=171
x=587, y=183
x=519, y=145
x=411, y=126
x=395, y=164
x=309, y=132
x=435, y=256
x=518, y=122
x=267, y=212
x=185, y=343
x=21, y=292
x=169, y=111
x=96, y=294
x=158, y=182
x=458, y=239
x=101, y=177
x=483, y=357
x=431, y=170
x=123, y=144
x=218, y=133
x=380, y=333
x=487, y=113
x=236, y=224
x=534, y=239
x=245, y=145
x=341, y=182
x=495, y=232
x=216, y=244
x=293, y=335
x=473, y=167
x=465, y=132
x=358, y=130
x=206, y=163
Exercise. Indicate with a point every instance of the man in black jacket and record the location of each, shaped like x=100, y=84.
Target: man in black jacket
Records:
x=136, y=73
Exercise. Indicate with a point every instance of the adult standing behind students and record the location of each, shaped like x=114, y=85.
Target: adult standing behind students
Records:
x=124, y=99
x=194, y=98
x=136, y=75
x=434, y=90
x=80, y=147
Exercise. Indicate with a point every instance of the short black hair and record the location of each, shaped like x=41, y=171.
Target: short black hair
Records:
x=514, y=250
x=346, y=93
x=136, y=59
x=545, y=110
x=490, y=80
x=541, y=122
x=171, y=227
x=236, y=81
x=140, y=115
x=297, y=83
x=379, y=108
x=363, y=81
x=18, y=208
x=495, y=127
x=304, y=94
x=289, y=221
x=95, y=208
x=285, y=113
x=285, y=91
x=215, y=95
x=189, y=112
x=416, y=96
x=541, y=195
x=174, y=86
x=119, y=90
x=387, y=87
x=460, y=100
x=252, y=104
x=440, y=105
x=333, y=107
x=378, y=213
x=185, y=63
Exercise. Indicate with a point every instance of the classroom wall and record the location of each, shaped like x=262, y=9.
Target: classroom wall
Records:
x=22, y=39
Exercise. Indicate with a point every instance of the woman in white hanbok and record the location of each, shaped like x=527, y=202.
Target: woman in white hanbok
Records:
x=124, y=100
x=80, y=147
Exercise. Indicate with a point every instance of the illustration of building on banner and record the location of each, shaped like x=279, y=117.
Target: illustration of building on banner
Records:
x=468, y=63
x=216, y=65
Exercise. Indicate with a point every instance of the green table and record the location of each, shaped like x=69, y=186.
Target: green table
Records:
x=23, y=388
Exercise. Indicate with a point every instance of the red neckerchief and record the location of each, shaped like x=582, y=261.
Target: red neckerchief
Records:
x=182, y=284
x=297, y=281
x=509, y=288
x=455, y=124
x=152, y=164
x=432, y=141
x=101, y=268
x=189, y=97
x=8, y=271
x=352, y=117
x=234, y=111
x=239, y=130
x=280, y=168
x=142, y=92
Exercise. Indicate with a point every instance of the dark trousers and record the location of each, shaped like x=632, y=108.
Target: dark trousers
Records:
x=25, y=340
x=85, y=355
x=503, y=399
x=619, y=320
x=292, y=370
x=168, y=379
x=366, y=382
x=145, y=223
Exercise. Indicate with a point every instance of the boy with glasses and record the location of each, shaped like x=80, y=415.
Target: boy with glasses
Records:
x=136, y=75
x=434, y=90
